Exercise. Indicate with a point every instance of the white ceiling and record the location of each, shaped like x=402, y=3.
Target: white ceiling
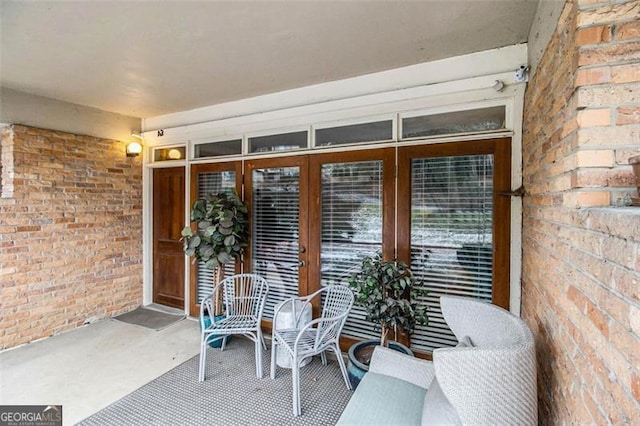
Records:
x=149, y=58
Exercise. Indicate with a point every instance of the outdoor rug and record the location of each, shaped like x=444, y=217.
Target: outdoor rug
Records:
x=231, y=394
x=149, y=318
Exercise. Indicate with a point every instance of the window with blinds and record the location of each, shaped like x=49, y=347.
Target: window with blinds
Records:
x=275, y=218
x=351, y=228
x=451, y=236
x=212, y=183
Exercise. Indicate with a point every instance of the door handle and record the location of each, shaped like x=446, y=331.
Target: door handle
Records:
x=301, y=263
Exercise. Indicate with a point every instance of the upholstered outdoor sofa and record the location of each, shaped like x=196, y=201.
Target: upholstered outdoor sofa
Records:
x=488, y=379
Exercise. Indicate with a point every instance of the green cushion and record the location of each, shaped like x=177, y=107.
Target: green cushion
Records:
x=384, y=400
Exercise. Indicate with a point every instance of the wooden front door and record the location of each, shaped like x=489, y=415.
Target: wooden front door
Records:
x=168, y=221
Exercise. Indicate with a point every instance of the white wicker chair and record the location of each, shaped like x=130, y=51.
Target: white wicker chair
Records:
x=316, y=337
x=493, y=382
x=488, y=379
x=244, y=297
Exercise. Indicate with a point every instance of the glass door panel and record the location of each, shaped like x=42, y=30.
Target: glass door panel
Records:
x=277, y=250
x=209, y=179
x=349, y=220
x=452, y=220
x=351, y=228
x=451, y=238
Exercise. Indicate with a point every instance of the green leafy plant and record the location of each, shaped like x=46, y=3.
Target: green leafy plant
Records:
x=388, y=291
x=222, y=229
x=221, y=233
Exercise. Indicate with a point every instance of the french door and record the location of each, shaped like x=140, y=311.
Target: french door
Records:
x=441, y=208
x=211, y=179
x=276, y=191
x=454, y=226
x=351, y=213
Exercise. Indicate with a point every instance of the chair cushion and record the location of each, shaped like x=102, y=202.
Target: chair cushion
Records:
x=381, y=399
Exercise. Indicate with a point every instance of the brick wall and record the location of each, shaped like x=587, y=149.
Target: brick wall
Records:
x=70, y=232
x=581, y=247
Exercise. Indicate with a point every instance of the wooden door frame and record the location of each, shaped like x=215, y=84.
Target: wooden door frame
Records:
x=197, y=169
x=501, y=149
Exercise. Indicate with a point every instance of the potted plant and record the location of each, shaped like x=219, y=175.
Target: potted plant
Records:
x=388, y=291
x=221, y=233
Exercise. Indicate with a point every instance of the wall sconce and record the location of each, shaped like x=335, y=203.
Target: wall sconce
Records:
x=134, y=149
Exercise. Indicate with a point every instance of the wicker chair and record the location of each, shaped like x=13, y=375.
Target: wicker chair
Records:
x=244, y=297
x=488, y=379
x=316, y=337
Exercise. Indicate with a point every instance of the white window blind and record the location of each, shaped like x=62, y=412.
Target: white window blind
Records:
x=451, y=236
x=275, y=217
x=351, y=228
x=212, y=183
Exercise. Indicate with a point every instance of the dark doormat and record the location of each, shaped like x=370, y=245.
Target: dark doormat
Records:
x=149, y=318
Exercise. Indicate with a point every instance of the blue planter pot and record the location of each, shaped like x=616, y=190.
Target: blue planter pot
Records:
x=357, y=369
x=207, y=323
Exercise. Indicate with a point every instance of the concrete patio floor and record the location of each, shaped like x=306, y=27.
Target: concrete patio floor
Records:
x=87, y=369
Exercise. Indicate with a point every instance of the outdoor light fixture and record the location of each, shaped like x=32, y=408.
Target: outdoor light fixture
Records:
x=134, y=149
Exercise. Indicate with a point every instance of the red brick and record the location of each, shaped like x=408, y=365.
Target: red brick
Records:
x=625, y=73
x=580, y=256
x=609, y=54
x=628, y=30
x=593, y=35
x=609, y=13
x=595, y=158
x=594, y=117
x=598, y=319
x=608, y=95
x=29, y=228
x=628, y=115
x=600, y=137
x=586, y=199
x=594, y=178
x=53, y=269
x=635, y=386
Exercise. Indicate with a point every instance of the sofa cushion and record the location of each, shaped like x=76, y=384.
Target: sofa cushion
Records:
x=382, y=399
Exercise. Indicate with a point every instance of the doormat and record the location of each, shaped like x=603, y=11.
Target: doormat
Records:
x=149, y=318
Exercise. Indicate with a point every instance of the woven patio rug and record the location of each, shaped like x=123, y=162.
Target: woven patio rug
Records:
x=149, y=318
x=231, y=394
